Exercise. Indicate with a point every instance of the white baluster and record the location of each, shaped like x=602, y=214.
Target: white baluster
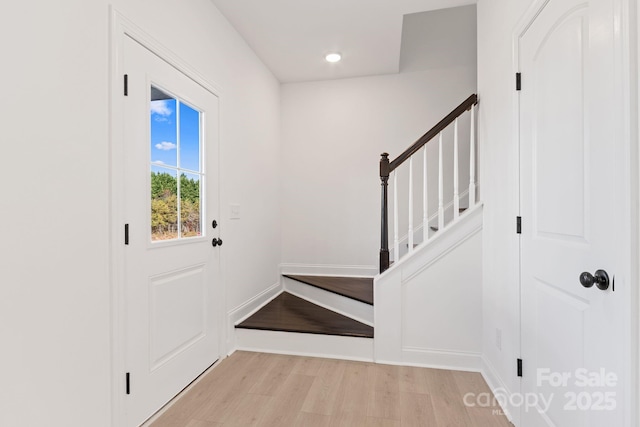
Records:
x=440, y=186
x=456, y=191
x=425, y=199
x=410, y=234
x=472, y=159
x=396, y=241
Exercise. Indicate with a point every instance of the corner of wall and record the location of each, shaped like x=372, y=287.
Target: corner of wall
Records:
x=246, y=309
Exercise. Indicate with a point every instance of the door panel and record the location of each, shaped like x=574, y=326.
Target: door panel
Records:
x=558, y=123
x=568, y=179
x=172, y=270
x=177, y=313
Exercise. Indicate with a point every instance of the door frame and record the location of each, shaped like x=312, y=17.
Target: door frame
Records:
x=627, y=226
x=120, y=28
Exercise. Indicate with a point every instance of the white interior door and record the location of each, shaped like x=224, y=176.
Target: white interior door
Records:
x=573, y=339
x=172, y=268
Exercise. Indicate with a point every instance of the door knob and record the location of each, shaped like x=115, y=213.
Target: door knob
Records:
x=214, y=224
x=600, y=279
x=216, y=242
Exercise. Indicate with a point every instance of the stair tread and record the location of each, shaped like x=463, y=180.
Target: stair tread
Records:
x=289, y=313
x=357, y=288
x=434, y=228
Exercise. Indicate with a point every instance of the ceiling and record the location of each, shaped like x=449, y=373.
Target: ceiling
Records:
x=292, y=36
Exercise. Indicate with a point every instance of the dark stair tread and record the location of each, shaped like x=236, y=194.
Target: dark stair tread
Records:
x=357, y=288
x=434, y=228
x=289, y=313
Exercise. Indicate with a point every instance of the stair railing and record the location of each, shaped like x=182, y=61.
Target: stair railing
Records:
x=390, y=169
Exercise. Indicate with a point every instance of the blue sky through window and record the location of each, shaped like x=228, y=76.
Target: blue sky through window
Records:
x=164, y=134
x=189, y=138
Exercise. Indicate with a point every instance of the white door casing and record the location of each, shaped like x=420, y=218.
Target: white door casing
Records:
x=569, y=148
x=172, y=294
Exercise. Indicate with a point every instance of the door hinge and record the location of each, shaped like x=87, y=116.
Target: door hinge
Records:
x=519, y=225
x=128, y=383
x=518, y=81
x=126, y=234
x=126, y=85
x=519, y=367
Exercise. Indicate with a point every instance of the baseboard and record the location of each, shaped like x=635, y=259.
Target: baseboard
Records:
x=329, y=270
x=498, y=387
x=246, y=309
x=440, y=359
x=309, y=345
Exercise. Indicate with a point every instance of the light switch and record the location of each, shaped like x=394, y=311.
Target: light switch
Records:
x=234, y=211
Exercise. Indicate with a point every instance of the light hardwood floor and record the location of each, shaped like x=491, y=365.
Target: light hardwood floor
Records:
x=258, y=389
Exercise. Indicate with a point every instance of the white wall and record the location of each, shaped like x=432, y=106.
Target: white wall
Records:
x=54, y=303
x=333, y=133
x=439, y=39
x=54, y=263
x=499, y=156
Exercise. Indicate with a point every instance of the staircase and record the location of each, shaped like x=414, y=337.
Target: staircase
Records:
x=314, y=315
x=332, y=316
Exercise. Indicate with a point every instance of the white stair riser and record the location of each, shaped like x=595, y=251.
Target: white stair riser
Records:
x=313, y=345
x=346, y=306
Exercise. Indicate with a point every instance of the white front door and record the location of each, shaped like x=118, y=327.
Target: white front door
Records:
x=172, y=269
x=573, y=337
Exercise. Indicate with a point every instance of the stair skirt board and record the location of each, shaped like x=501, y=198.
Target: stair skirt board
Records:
x=290, y=313
x=356, y=288
x=346, y=306
x=312, y=345
x=329, y=270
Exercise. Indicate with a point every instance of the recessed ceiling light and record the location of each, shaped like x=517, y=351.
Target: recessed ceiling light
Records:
x=333, y=57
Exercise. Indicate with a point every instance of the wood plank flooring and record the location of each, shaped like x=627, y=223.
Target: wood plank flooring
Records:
x=357, y=288
x=292, y=314
x=258, y=389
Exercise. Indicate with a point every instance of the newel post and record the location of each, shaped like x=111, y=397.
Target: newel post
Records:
x=384, y=229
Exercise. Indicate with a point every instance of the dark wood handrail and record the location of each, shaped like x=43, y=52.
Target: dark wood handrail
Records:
x=433, y=132
x=386, y=167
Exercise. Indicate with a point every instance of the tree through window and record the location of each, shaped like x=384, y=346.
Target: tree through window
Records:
x=176, y=168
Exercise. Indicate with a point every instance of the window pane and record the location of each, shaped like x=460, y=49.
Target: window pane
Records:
x=164, y=137
x=189, y=138
x=164, y=204
x=190, y=216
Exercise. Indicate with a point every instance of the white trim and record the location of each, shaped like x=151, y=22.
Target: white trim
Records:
x=128, y=28
x=247, y=309
x=635, y=197
x=346, y=306
x=309, y=345
x=252, y=305
x=496, y=385
x=119, y=28
x=442, y=359
x=116, y=251
x=329, y=270
x=626, y=58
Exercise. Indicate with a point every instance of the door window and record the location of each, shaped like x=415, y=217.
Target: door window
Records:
x=176, y=168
